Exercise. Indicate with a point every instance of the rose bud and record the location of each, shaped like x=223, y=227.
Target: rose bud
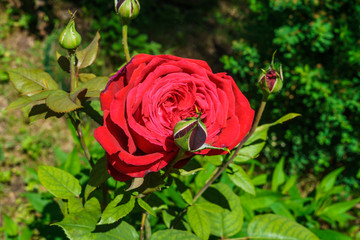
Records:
x=70, y=39
x=271, y=81
x=190, y=134
x=128, y=9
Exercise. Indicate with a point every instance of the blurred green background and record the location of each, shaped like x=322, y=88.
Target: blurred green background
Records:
x=317, y=42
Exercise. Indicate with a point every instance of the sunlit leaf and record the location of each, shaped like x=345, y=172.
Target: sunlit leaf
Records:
x=59, y=101
x=74, y=205
x=84, y=77
x=87, y=56
x=122, y=232
x=26, y=100
x=59, y=182
x=240, y=178
x=270, y=226
x=172, y=234
x=199, y=221
x=146, y=206
x=187, y=196
x=116, y=209
x=210, y=207
x=80, y=224
x=94, y=86
x=285, y=118
x=229, y=222
x=31, y=81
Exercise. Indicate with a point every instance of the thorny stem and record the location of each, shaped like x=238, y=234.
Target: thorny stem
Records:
x=232, y=156
x=124, y=41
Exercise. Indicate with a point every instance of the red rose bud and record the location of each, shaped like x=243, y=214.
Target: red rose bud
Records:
x=271, y=81
x=127, y=9
x=190, y=134
x=70, y=39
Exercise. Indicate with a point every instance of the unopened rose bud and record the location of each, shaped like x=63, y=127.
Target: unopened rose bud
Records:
x=271, y=81
x=127, y=9
x=190, y=134
x=70, y=39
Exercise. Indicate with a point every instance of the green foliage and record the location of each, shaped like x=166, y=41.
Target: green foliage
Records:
x=317, y=43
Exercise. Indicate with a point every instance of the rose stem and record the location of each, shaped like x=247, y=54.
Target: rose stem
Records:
x=76, y=124
x=221, y=169
x=124, y=41
x=143, y=220
x=73, y=78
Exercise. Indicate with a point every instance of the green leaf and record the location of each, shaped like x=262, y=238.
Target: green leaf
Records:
x=210, y=207
x=122, y=232
x=31, y=81
x=87, y=56
x=279, y=175
x=26, y=234
x=24, y=101
x=270, y=226
x=185, y=173
x=41, y=111
x=239, y=177
x=263, y=199
x=72, y=164
x=328, y=234
x=214, y=160
x=172, y=234
x=74, y=205
x=285, y=118
x=78, y=95
x=289, y=184
x=84, y=77
x=10, y=226
x=229, y=222
x=199, y=221
x=336, y=209
x=146, y=206
x=187, y=196
x=94, y=86
x=329, y=180
x=63, y=62
x=259, y=179
x=250, y=151
x=79, y=225
x=116, y=210
x=59, y=182
x=59, y=101
x=280, y=209
x=167, y=218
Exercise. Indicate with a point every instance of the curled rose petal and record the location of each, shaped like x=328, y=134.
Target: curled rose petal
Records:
x=144, y=101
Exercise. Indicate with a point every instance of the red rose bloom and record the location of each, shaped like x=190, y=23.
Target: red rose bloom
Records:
x=146, y=98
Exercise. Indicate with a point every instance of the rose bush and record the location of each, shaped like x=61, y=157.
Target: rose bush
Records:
x=147, y=97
